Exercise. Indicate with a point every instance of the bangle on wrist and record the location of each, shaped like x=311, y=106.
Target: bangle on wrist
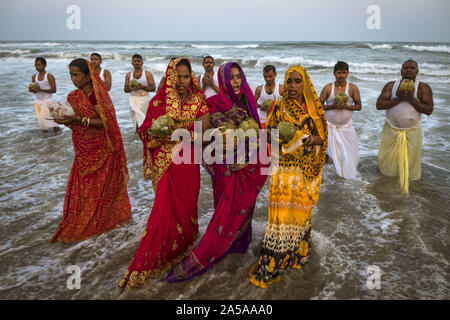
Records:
x=85, y=121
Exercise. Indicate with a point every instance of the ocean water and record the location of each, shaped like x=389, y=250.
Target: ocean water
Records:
x=357, y=224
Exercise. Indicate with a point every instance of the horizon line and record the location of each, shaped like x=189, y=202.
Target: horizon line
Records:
x=247, y=41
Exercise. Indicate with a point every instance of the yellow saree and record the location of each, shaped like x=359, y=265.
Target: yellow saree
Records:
x=294, y=186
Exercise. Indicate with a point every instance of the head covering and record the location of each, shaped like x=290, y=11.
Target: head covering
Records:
x=310, y=96
x=108, y=116
x=167, y=99
x=168, y=102
x=226, y=98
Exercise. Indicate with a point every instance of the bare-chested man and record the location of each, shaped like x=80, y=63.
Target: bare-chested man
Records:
x=400, y=152
x=139, y=97
x=271, y=90
x=342, y=145
x=105, y=75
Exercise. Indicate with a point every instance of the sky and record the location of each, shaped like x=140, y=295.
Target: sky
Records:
x=231, y=20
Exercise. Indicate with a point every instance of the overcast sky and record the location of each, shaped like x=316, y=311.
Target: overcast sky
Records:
x=230, y=20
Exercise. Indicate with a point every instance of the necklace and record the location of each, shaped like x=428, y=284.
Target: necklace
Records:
x=184, y=100
x=340, y=87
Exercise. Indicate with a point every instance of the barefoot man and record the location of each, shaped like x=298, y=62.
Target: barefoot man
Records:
x=400, y=152
x=342, y=145
x=44, y=88
x=139, y=97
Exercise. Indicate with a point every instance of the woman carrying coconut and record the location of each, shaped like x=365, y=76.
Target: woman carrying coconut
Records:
x=295, y=184
x=172, y=226
x=96, y=198
x=236, y=186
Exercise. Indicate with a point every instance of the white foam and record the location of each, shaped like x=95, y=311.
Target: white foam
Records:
x=207, y=46
x=379, y=46
x=440, y=48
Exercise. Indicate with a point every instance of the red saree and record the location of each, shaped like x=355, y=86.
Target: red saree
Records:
x=96, y=198
x=172, y=226
x=236, y=187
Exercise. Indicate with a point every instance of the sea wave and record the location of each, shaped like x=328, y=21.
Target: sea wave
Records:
x=437, y=80
x=240, y=46
x=378, y=46
x=355, y=67
x=32, y=44
x=440, y=48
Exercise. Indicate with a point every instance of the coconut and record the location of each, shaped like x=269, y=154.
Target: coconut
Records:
x=134, y=84
x=224, y=127
x=161, y=127
x=341, y=98
x=222, y=130
x=266, y=105
x=249, y=124
x=34, y=86
x=60, y=109
x=406, y=84
x=286, y=131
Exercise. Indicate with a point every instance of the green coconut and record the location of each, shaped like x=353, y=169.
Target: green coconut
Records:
x=161, y=127
x=222, y=129
x=406, y=84
x=134, y=84
x=249, y=124
x=341, y=98
x=34, y=86
x=266, y=105
x=286, y=131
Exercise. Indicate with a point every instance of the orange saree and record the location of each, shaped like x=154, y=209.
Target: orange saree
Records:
x=96, y=198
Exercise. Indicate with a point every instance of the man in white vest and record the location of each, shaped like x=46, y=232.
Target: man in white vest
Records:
x=271, y=90
x=105, y=75
x=208, y=81
x=400, y=152
x=342, y=145
x=139, y=97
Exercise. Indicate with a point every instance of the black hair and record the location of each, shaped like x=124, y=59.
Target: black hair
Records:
x=42, y=60
x=269, y=68
x=341, y=65
x=410, y=60
x=208, y=57
x=81, y=64
x=96, y=54
x=137, y=56
x=185, y=62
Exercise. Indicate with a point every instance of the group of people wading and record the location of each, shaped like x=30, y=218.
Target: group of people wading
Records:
x=97, y=199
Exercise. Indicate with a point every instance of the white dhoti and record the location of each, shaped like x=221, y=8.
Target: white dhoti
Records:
x=343, y=149
x=43, y=114
x=138, y=109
